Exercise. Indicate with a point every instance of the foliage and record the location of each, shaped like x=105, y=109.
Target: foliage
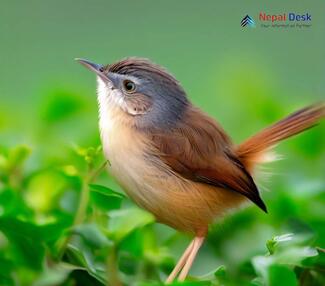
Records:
x=60, y=226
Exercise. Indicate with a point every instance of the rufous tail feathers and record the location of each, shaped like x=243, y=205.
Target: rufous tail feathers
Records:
x=253, y=150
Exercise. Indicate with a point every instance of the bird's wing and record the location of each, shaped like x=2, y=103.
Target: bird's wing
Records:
x=199, y=150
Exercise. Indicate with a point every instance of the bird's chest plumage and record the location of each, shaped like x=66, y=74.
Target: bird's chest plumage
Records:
x=127, y=150
x=123, y=148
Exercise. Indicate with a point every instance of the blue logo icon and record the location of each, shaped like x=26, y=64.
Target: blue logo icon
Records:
x=247, y=21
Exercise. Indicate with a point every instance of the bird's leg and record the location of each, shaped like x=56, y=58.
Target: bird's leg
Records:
x=197, y=243
x=180, y=263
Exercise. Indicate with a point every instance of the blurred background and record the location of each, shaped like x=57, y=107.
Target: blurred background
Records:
x=56, y=229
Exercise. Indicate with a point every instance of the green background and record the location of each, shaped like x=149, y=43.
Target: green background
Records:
x=246, y=78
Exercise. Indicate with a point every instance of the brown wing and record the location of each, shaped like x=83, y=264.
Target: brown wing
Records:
x=199, y=150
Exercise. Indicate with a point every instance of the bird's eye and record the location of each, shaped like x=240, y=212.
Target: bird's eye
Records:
x=129, y=86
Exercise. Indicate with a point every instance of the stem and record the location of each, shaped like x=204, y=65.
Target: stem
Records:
x=96, y=172
x=112, y=269
x=83, y=202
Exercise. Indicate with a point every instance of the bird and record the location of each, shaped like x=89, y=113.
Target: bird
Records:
x=173, y=159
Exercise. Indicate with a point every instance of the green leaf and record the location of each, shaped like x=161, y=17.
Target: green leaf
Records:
x=55, y=275
x=6, y=267
x=220, y=272
x=26, y=241
x=105, y=198
x=12, y=203
x=105, y=191
x=105, y=203
x=84, y=261
x=294, y=255
x=92, y=235
x=281, y=275
x=134, y=243
x=123, y=222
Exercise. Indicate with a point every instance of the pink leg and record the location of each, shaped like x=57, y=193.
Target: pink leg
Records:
x=197, y=243
x=180, y=263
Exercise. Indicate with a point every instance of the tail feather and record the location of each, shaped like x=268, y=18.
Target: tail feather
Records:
x=252, y=151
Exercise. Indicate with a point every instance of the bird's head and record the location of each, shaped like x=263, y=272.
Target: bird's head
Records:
x=144, y=91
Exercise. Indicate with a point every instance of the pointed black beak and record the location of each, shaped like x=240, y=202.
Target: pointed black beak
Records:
x=96, y=68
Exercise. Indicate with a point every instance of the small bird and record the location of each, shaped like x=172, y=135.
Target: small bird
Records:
x=173, y=159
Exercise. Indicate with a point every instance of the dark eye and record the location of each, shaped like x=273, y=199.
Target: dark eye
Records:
x=129, y=86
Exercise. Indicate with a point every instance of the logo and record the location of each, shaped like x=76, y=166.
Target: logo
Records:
x=247, y=21
x=279, y=20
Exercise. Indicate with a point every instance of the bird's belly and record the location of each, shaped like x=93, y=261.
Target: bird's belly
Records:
x=175, y=201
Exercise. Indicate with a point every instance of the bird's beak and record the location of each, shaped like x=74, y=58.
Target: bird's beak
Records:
x=96, y=68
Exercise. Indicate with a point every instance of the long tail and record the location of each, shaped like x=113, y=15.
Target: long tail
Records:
x=253, y=150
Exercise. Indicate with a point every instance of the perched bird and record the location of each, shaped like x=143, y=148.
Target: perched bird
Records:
x=173, y=159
